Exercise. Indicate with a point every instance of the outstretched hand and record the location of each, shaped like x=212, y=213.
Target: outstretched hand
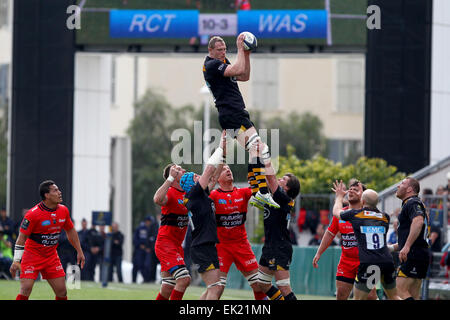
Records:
x=339, y=188
x=240, y=41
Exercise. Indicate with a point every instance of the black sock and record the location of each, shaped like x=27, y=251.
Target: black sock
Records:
x=290, y=296
x=274, y=293
x=259, y=172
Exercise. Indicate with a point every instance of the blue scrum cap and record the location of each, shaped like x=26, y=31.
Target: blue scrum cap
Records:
x=187, y=181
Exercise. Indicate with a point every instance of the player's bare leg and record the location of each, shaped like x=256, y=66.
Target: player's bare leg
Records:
x=265, y=283
x=408, y=287
x=181, y=286
x=252, y=278
x=166, y=288
x=360, y=294
x=59, y=287
x=372, y=294
x=223, y=280
x=212, y=280
x=282, y=278
x=392, y=294
x=343, y=290
x=26, y=286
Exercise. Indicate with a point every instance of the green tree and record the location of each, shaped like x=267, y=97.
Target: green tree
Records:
x=301, y=131
x=317, y=175
x=150, y=132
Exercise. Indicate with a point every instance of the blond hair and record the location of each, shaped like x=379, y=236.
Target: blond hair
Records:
x=213, y=40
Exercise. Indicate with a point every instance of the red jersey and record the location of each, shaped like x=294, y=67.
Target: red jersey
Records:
x=231, y=213
x=174, y=218
x=349, y=244
x=43, y=226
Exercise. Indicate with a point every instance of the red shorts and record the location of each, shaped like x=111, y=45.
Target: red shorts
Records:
x=240, y=253
x=49, y=267
x=347, y=270
x=169, y=255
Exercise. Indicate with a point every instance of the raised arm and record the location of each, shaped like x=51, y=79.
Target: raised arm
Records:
x=160, y=197
x=246, y=75
x=238, y=68
x=214, y=165
x=339, y=189
x=218, y=171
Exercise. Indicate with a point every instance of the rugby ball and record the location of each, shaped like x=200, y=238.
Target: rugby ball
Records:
x=250, y=41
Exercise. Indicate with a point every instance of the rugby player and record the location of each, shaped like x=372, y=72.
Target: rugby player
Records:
x=221, y=78
x=35, y=248
x=231, y=205
x=370, y=227
x=175, y=277
x=414, y=255
x=349, y=261
x=204, y=230
x=277, y=250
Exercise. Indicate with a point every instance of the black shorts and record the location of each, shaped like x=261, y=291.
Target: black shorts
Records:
x=204, y=257
x=414, y=268
x=366, y=279
x=276, y=257
x=236, y=121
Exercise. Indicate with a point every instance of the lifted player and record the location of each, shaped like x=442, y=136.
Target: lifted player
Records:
x=221, y=78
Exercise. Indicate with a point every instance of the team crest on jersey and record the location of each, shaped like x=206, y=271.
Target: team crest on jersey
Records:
x=25, y=224
x=46, y=223
x=266, y=212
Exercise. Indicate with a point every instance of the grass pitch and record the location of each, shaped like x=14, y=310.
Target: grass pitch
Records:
x=119, y=291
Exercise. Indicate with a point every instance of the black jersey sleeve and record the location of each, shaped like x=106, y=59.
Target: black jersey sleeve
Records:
x=215, y=67
x=347, y=215
x=280, y=197
x=415, y=208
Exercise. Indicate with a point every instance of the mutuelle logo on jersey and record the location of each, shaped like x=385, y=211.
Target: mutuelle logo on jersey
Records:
x=222, y=201
x=46, y=223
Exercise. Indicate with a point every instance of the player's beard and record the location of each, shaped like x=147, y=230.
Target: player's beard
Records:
x=353, y=201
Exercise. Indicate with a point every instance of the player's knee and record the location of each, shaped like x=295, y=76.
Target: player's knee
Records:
x=252, y=280
x=342, y=295
x=184, y=282
x=181, y=276
x=25, y=291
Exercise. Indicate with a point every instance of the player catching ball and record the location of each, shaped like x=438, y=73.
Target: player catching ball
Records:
x=221, y=78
